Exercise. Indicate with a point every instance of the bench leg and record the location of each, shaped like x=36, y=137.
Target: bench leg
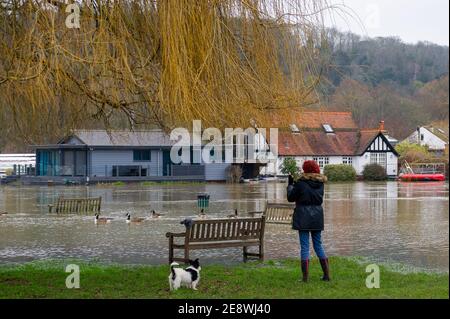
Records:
x=261, y=252
x=170, y=250
x=244, y=251
x=186, y=254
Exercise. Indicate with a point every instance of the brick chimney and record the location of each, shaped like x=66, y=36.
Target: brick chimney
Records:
x=381, y=128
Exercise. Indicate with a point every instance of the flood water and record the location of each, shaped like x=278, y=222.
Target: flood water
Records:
x=388, y=221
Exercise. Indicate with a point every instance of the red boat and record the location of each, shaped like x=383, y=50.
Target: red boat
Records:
x=423, y=174
x=422, y=177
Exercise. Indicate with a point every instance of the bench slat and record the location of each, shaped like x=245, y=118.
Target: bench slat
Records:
x=224, y=244
x=197, y=231
x=203, y=227
x=219, y=230
x=228, y=231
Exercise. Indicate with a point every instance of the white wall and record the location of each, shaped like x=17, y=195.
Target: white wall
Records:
x=429, y=139
x=391, y=163
x=274, y=168
x=358, y=163
x=103, y=160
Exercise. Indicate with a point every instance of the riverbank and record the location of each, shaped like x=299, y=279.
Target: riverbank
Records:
x=271, y=279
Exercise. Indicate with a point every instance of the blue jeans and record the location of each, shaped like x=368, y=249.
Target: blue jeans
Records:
x=317, y=244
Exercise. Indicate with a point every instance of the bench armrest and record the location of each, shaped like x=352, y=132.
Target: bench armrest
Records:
x=254, y=213
x=175, y=235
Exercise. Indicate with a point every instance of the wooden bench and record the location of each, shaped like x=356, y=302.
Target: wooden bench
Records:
x=277, y=213
x=76, y=205
x=220, y=233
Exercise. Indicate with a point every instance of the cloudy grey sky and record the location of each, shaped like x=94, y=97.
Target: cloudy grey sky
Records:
x=411, y=20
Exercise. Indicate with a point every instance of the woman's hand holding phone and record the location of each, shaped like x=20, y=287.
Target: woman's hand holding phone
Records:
x=290, y=180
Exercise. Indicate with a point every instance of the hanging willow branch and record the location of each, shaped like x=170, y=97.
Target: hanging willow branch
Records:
x=156, y=63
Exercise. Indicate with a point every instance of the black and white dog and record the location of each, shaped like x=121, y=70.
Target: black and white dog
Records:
x=188, y=277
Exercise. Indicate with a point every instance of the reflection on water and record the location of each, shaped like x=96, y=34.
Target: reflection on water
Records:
x=404, y=222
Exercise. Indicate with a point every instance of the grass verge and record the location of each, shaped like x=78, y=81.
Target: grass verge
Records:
x=271, y=279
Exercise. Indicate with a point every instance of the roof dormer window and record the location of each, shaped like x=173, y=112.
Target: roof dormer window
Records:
x=294, y=128
x=327, y=128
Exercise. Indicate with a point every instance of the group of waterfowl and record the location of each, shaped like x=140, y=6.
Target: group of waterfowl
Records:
x=129, y=219
x=136, y=220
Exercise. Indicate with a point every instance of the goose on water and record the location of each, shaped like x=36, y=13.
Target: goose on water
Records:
x=134, y=219
x=156, y=215
x=102, y=220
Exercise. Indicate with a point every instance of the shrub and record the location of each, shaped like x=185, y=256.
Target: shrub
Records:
x=289, y=167
x=118, y=183
x=340, y=173
x=412, y=153
x=374, y=172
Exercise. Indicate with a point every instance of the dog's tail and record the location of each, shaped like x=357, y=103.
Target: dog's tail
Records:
x=172, y=265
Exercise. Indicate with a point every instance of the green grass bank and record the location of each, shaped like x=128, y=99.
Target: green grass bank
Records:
x=271, y=279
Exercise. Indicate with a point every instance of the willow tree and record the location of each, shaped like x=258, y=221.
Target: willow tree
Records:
x=155, y=63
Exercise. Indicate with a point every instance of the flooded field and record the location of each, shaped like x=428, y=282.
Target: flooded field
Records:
x=389, y=221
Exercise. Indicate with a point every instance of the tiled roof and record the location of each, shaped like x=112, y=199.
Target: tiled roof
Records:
x=123, y=138
x=338, y=120
x=317, y=143
x=312, y=139
x=310, y=119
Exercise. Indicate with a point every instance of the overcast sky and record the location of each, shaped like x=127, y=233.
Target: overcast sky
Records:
x=411, y=20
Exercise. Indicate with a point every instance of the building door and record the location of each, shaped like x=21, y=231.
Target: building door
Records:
x=167, y=163
x=80, y=163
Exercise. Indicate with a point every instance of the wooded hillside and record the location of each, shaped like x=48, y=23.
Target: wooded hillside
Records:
x=386, y=79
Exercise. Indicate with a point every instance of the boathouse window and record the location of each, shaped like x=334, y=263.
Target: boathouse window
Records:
x=141, y=155
x=327, y=128
x=322, y=161
x=347, y=160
